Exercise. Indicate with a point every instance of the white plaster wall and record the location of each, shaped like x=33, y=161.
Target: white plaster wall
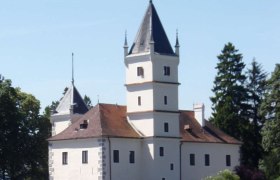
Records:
x=131, y=72
x=158, y=167
x=59, y=123
x=169, y=90
x=159, y=61
x=143, y=122
x=173, y=122
x=75, y=170
x=124, y=170
x=217, y=154
x=146, y=93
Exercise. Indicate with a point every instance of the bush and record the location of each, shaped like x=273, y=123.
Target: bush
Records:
x=224, y=175
x=247, y=173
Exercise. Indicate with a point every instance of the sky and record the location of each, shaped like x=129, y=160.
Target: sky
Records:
x=37, y=39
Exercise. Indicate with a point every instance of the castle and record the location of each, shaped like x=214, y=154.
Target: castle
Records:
x=150, y=138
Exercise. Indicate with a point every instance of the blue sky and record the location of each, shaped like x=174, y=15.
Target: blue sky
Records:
x=38, y=37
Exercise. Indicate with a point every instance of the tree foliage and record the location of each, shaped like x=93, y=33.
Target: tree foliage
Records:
x=24, y=149
x=270, y=109
x=229, y=100
x=224, y=175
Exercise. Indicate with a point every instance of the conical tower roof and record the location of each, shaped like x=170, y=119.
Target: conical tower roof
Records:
x=151, y=30
x=72, y=101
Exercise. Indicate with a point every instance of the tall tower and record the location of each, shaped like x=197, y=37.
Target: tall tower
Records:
x=152, y=80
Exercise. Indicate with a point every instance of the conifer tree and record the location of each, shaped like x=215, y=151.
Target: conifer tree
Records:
x=255, y=85
x=230, y=96
x=270, y=109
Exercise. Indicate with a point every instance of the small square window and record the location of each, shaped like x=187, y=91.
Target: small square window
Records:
x=131, y=157
x=116, y=156
x=228, y=160
x=166, y=127
x=207, y=160
x=166, y=70
x=139, y=101
x=84, y=157
x=140, y=71
x=64, y=158
x=161, y=151
x=192, y=159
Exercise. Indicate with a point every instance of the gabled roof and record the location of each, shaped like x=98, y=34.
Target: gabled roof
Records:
x=103, y=120
x=108, y=120
x=151, y=30
x=191, y=131
x=72, y=98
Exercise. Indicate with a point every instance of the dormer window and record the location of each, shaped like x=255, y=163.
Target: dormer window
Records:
x=140, y=71
x=166, y=70
x=84, y=125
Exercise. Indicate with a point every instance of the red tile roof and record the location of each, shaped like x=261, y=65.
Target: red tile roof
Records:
x=107, y=120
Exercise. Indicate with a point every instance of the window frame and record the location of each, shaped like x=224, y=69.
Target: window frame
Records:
x=116, y=156
x=139, y=99
x=166, y=127
x=192, y=159
x=228, y=160
x=140, y=71
x=161, y=151
x=85, y=157
x=207, y=160
x=166, y=70
x=131, y=157
x=165, y=100
x=64, y=158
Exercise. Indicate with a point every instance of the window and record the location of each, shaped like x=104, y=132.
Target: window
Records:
x=162, y=178
x=139, y=100
x=161, y=151
x=140, y=71
x=171, y=166
x=207, y=160
x=64, y=158
x=116, y=156
x=131, y=157
x=192, y=159
x=166, y=70
x=84, y=157
x=165, y=100
x=166, y=127
x=228, y=160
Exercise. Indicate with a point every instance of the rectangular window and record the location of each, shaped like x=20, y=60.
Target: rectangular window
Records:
x=116, y=156
x=165, y=100
x=171, y=166
x=166, y=127
x=64, y=158
x=84, y=157
x=131, y=157
x=139, y=100
x=140, y=71
x=166, y=70
x=161, y=151
x=228, y=160
x=207, y=160
x=192, y=159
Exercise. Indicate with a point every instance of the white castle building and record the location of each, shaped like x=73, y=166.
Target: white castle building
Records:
x=150, y=138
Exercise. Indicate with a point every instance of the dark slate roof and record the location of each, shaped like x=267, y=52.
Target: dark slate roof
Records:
x=151, y=29
x=103, y=120
x=108, y=120
x=72, y=97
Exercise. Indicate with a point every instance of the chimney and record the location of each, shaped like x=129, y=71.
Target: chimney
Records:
x=199, y=113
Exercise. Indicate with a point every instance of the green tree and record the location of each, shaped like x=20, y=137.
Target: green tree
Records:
x=255, y=85
x=87, y=100
x=270, y=109
x=24, y=154
x=230, y=96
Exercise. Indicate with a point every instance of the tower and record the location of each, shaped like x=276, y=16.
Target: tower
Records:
x=152, y=79
x=152, y=97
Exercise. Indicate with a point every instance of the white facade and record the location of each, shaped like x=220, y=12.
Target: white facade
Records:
x=165, y=148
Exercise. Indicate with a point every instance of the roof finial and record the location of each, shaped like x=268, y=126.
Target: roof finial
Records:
x=177, y=39
x=72, y=68
x=151, y=1
x=125, y=39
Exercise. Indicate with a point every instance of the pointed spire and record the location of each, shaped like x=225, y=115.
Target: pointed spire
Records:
x=177, y=45
x=125, y=45
x=151, y=32
x=73, y=69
